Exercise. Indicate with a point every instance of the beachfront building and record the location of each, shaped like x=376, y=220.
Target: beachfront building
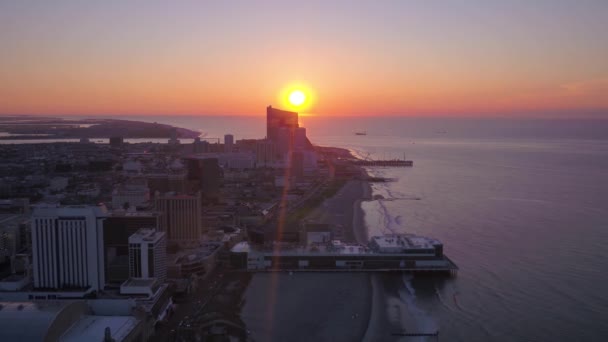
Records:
x=277, y=119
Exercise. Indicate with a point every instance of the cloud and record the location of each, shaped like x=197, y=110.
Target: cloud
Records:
x=592, y=87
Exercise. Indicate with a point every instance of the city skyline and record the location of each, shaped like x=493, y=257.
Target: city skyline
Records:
x=479, y=59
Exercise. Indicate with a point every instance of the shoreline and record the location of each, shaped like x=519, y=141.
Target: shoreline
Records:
x=360, y=231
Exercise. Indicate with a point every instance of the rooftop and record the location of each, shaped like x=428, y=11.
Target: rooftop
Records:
x=197, y=254
x=69, y=211
x=140, y=282
x=31, y=321
x=393, y=244
x=92, y=328
x=146, y=235
x=124, y=213
x=404, y=241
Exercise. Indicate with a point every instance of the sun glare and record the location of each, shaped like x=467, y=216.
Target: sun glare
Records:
x=297, y=97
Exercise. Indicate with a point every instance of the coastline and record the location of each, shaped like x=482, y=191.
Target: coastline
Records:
x=47, y=129
x=360, y=231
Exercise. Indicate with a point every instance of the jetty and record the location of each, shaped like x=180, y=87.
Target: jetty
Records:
x=385, y=163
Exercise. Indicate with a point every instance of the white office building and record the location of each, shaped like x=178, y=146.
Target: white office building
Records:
x=67, y=247
x=148, y=254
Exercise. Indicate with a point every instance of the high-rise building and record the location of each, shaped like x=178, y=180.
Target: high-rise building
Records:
x=181, y=216
x=300, y=141
x=12, y=230
x=117, y=228
x=228, y=143
x=297, y=164
x=148, y=254
x=284, y=141
x=277, y=119
x=265, y=152
x=67, y=246
x=206, y=173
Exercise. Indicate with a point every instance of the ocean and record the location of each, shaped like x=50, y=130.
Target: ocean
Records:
x=520, y=205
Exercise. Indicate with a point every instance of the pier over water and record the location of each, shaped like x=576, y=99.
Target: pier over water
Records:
x=387, y=163
x=389, y=253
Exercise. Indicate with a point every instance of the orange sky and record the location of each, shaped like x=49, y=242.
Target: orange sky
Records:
x=395, y=59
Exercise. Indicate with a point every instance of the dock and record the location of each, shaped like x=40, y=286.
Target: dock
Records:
x=385, y=163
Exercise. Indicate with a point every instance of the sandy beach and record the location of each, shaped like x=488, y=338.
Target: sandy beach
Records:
x=344, y=213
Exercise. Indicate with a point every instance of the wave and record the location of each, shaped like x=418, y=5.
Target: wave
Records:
x=422, y=321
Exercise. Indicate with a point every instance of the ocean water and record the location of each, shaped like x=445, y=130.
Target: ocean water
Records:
x=523, y=212
x=520, y=205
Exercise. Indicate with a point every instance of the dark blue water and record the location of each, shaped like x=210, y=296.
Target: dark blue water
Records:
x=521, y=206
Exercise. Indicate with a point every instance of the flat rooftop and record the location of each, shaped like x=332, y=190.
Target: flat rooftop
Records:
x=146, y=235
x=404, y=241
x=92, y=328
x=391, y=243
x=314, y=249
x=199, y=253
x=123, y=213
x=139, y=282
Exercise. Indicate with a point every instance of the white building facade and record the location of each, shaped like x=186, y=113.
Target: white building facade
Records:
x=148, y=254
x=67, y=247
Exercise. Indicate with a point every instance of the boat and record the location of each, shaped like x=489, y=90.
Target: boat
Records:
x=360, y=133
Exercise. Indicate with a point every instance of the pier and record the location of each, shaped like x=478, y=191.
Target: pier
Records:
x=385, y=163
x=405, y=253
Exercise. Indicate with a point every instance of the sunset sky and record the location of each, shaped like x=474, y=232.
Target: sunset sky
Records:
x=436, y=58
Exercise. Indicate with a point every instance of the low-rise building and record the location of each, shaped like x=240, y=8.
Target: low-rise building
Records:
x=193, y=262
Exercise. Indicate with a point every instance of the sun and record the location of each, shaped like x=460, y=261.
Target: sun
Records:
x=297, y=98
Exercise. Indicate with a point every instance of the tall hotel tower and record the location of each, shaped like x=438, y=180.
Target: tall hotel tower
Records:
x=182, y=216
x=67, y=247
x=276, y=120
